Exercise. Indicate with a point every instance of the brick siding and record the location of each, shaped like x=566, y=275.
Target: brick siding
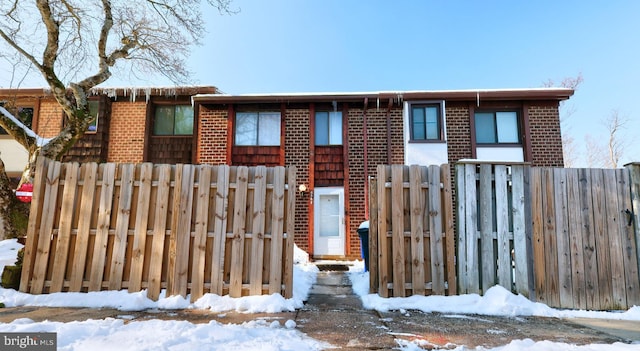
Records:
x=546, y=139
x=127, y=131
x=212, y=136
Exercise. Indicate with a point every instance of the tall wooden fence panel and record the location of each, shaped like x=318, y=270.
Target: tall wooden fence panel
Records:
x=411, y=231
x=185, y=228
x=565, y=237
x=493, y=239
x=584, y=244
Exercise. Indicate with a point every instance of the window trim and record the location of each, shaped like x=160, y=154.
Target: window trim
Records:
x=99, y=102
x=315, y=126
x=440, y=104
x=257, y=136
x=21, y=104
x=519, y=126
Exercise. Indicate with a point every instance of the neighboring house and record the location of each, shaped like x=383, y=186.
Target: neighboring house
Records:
x=131, y=125
x=335, y=140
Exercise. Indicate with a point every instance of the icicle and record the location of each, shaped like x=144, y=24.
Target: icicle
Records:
x=378, y=104
x=477, y=99
x=147, y=92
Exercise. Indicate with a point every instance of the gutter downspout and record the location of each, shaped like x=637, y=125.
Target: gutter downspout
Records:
x=389, y=130
x=366, y=157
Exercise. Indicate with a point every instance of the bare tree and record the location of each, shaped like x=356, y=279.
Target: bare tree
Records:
x=569, y=149
x=616, y=142
x=608, y=152
x=74, y=45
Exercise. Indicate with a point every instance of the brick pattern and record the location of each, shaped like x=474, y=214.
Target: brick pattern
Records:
x=458, y=134
x=49, y=119
x=127, y=131
x=212, y=136
x=297, y=153
x=377, y=154
x=546, y=139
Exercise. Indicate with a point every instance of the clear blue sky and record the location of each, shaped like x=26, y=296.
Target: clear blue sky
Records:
x=346, y=45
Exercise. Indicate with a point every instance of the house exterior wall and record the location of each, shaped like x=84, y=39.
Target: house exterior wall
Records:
x=127, y=131
x=546, y=138
x=212, y=135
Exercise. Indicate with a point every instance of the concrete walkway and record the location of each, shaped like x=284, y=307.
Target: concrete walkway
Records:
x=335, y=315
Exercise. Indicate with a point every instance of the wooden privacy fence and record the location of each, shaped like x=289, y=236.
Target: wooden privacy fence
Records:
x=560, y=236
x=411, y=231
x=185, y=228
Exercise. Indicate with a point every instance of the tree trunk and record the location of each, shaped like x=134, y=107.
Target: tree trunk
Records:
x=14, y=215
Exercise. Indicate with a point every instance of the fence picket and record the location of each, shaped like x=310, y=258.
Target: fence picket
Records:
x=449, y=230
x=487, y=258
x=417, y=214
x=287, y=271
x=565, y=285
x=277, y=230
x=89, y=170
x=161, y=206
x=502, y=228
x=471, y=231
x=435, y=228
x=179, y=239
x=550, y=237
x=107, y=174
x=383, y=241
x=220, y=230
x=397, y=229
x=521, y=275
x=628, y=237
x=575, y=224
x=601, y=236
x=258, y=231
x=122, y=226
x=64, y=234
x=143, y=206
x=239, y=230
x=200, y=237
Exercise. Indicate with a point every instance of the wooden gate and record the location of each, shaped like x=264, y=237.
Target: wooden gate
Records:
x=183, y=228
x=411, y=231
x=565, y=237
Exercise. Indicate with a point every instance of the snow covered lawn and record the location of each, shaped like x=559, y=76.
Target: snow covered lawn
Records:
x=125, y=334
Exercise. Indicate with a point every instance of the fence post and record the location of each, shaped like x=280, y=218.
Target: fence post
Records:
x=634, y=175
x=373, y=236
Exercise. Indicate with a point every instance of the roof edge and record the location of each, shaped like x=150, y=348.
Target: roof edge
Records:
x=118, y=91
x=452, y=95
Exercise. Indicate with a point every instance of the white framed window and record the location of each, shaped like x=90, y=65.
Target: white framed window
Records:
x=257, y=129
x=426, y=122
x=328, y=128
x=497, y=127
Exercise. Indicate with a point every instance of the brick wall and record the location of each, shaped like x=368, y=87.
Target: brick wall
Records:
x=212, y=136
x=49, y=119
x=546, y=139
x=297, y=153
x=127, y=131
x=377, y=154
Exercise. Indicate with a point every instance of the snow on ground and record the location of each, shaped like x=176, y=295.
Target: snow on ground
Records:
x=125, y=334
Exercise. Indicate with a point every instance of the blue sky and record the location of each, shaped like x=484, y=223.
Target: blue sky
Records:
x=282, y=46
x=340, y=45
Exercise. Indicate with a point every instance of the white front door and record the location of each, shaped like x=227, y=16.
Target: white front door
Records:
x=328, y=233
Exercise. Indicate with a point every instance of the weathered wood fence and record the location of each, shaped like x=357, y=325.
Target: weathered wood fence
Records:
x=565, y=237
x=185, y=228
x=411, y=239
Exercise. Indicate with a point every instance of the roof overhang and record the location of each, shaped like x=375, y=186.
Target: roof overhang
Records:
x=557, y=94
x=117, y=91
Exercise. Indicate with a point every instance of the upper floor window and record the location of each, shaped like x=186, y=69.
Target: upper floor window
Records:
x=173, y=120
x=93, y=112
x=426, y=122
x=24, y=114
x=257, y=129
x=328, y=128
x=497, y=127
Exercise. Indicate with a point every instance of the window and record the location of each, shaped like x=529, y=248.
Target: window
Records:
x=93, y=112
x=257, y=129
x=498, y=127
x=426, y=122
x=173, y=120
x=24, y=114
x=329, y=128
